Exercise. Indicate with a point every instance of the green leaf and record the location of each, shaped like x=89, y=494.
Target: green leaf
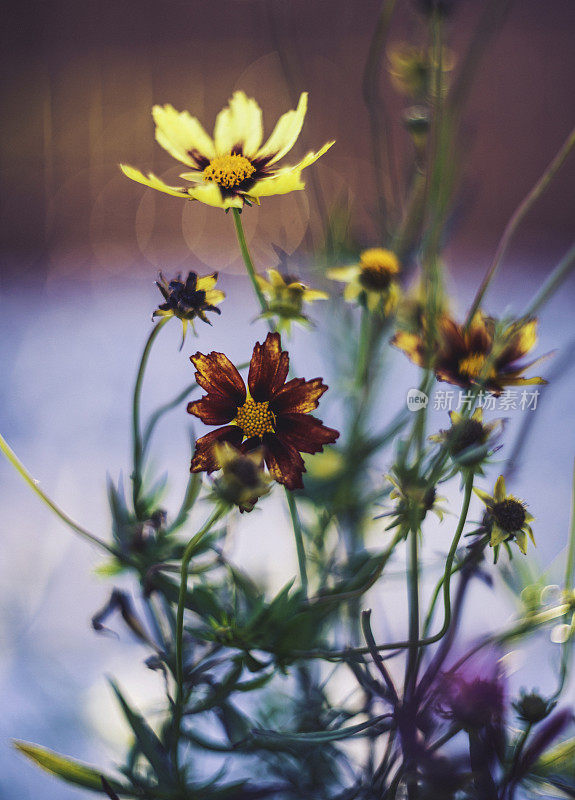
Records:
x=321, y=736
x=149, y=744
x=69, y=770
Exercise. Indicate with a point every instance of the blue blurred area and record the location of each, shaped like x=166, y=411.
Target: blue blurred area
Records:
x=69, y=359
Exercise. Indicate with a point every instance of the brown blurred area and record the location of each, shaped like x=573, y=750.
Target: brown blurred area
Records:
x=80, y=78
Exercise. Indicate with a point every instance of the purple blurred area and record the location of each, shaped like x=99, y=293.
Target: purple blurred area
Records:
x=81, y=246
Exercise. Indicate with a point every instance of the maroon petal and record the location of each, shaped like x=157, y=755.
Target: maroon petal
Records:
x=298, y=396
x=213, y=409
x=204, y=459
x=268, y=368
x=283, y=461
x=304, y=432
x=217, y=375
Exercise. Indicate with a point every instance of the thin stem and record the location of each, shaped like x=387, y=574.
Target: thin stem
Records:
x=136, y=435
x=247, y=258
x=413, y=599
x=34, y=485
x=353, y=651
x=553, y=282
x=567, y=647
x=520, y=213
x=191, y=547
x=297, y=530
x=387, y=185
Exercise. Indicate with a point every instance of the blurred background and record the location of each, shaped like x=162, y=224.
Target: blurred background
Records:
x=81, y=247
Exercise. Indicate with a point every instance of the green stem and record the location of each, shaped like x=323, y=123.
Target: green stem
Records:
x=567, y=646
x=247, y=258
x=298, y=534
x=191, y=547
x=520, y=213
x=413, y=599
x=553, y=282
x=33, y=484
x=136, y=435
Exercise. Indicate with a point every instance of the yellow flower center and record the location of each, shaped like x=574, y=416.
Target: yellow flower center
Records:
x=474, y=366
x=377, y=268
x=229, y=170
x=255, y=419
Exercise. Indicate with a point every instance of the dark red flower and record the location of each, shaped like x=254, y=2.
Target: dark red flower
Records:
x=270, y=413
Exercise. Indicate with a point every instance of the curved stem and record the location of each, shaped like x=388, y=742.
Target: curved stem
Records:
x=296, y=523
x=136, y=435
x=34, y=485
x=521, y=211
x=249, y=264
x=413, y=598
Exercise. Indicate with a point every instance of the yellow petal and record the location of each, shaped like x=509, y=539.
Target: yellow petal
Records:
x=214, y=297
x=486, y=498
x=499, y=493
x=477, y=415
x=239, y=124
x=287, y=179
x=455, y=417
x=153, y=181
x=352, y=292
x=276, y=279
x=344, y=274
x=521, y=539
x=498, y=536
x=310, y=295
x=179, y=133
x=527, y=337
x=285, y=133
x=210, y=194
x=207, y=282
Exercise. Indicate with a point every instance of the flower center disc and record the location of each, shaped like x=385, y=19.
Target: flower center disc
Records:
x=474, y=367
x=229, y=170
x=255, y=419
x=510, y=515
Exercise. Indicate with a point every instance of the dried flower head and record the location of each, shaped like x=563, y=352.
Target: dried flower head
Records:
x=372, y=281
x=234, y=167
x=531, y=708
x=506, y=517
x=474, y=356
x=286, y=296
x=269, y=414
x=243, y=480
x=469, y=440
x=190, y=299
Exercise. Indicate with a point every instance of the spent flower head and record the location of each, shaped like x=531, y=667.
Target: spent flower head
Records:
x=233, y=168
x=469, y=441
x=532, y=708
x=372, y=281
x=189, y=299
x=286, y=295
x=414, y=497
x=270, y=413
x=242, y=480
x=506, y=517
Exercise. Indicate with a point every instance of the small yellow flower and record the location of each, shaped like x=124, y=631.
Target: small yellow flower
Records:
x=234, y=167
x=286, y=296
x=372, y=281
x=506, y=516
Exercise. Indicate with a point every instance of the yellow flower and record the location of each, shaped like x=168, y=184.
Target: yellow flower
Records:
x=506, y=516
x=372, y=281
x=234, y=167
x=286, y=296
x=470, y=440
